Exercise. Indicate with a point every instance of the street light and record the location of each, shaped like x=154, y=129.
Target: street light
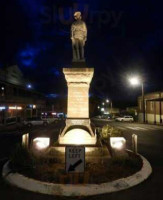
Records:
x=3, y=91
x=109, y=101
x=29, y=86
x=137, y=81
x=102, y=109
x=134, y=81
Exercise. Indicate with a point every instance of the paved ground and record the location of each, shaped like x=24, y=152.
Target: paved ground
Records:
x=150, y=144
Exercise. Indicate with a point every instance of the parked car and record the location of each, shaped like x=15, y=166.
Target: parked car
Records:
x=126, y=118
x=106, y=116
x=35, y=121
x=97, y=117
x=49, y=119
x=102, y=117
x=11, y=120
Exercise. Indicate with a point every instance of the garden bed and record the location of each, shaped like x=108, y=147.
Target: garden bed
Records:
x=50, y=169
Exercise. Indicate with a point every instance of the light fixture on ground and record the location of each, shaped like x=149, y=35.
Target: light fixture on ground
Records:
x=41, y=143
x=118, y=143
x=25, y=140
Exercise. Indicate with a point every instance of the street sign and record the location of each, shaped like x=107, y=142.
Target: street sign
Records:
x=75, y=159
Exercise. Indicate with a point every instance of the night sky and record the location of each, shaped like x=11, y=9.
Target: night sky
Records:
x=124, y=38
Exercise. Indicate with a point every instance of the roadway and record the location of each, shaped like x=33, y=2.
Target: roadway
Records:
x=150, y=145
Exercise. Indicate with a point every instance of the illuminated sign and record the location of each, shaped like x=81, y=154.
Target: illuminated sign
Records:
x=2, y=107
x=15, y=107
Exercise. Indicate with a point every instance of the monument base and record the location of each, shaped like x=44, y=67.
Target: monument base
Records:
x=77, y=132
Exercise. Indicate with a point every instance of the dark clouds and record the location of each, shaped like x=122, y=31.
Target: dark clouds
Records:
x=124, y=37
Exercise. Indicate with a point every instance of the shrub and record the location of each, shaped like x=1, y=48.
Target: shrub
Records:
x=105, y=134
x=108, y=131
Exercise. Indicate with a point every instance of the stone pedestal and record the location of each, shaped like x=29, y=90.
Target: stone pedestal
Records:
x=78, y=129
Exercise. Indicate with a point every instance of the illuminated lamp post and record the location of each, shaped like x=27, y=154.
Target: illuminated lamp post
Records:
x=111, y=105
x=137, y=81
x=29, y=86
x=102, y=109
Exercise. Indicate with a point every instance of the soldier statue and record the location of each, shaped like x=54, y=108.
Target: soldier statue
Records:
x=78, y=37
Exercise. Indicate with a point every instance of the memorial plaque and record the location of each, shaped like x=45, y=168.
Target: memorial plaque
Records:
x=78, y=102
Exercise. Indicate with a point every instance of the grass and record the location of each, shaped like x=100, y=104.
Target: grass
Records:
x=50, y=169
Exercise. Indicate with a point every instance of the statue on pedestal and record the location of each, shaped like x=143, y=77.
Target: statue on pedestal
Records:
x=78, y=129
x=78, y=37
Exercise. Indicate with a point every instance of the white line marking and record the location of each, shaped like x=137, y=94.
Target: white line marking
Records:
x=137, y=128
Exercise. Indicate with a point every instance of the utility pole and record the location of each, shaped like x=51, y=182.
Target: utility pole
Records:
x=143, y=102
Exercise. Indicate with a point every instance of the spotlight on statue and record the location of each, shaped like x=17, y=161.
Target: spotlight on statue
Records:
x=41, y=143
x=118, y=143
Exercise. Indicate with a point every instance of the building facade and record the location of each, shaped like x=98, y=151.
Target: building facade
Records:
x=16, y=100
x=153, y=108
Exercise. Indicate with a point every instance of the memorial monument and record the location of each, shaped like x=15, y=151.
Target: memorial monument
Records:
x=78, y=130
